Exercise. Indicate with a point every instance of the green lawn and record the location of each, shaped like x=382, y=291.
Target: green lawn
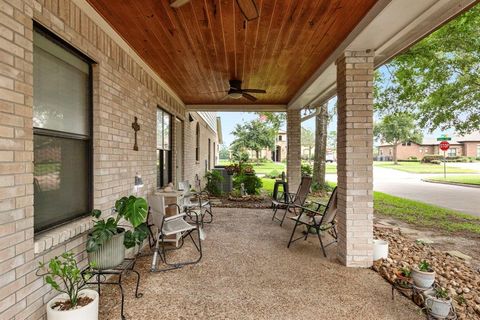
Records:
x=467, y=179
x=424, y=215
x=267, y=167
x=417, y=167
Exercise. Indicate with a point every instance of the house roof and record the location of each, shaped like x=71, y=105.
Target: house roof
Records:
x=470, y=137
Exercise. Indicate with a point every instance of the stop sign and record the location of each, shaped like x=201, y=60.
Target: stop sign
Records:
x=444, y=145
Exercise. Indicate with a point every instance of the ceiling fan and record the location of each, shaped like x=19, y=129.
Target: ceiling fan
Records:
x=248, y=8
x=236, y=92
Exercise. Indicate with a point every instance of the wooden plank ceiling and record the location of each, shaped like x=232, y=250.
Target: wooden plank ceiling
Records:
x=198, y=47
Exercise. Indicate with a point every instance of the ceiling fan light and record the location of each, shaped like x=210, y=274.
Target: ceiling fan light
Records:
x=235, y=95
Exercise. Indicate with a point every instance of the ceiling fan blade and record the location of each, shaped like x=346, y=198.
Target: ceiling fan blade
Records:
x=178, y=3
x=225, y=97
x=249, y=97
x=254, y=90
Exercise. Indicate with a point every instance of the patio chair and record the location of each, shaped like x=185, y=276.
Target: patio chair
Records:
x=320, y=219
x=196, y=203
x=294, y=199
x=168, y=226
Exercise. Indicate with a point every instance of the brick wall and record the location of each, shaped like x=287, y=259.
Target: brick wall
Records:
x=293, y=149
x=123, y=87
x=470, y=149
x=192, y=166
x=355, y=158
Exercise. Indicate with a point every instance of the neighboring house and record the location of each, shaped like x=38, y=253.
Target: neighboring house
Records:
x=279, y=154
x=467, y=146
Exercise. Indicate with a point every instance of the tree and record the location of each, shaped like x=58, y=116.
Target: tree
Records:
x=254, y=135
x=308, y=140
x=319, y=169
x=438, y=79
x=397, y=128
x=332, y=141
x=224, y=152
x=275, y=119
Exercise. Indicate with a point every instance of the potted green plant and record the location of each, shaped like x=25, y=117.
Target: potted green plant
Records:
x=423, y=275
x=438, y=302
x=74, y=301
x=107, y=241
x=404, y=278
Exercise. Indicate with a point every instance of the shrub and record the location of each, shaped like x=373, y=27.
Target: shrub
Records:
x=435, y=162
x=412, y=158
x=306, y=169
x=251, y=182
x=408, y=160
x=214, y=178
x=274, y=174
x=430, y=157
x=240, y=156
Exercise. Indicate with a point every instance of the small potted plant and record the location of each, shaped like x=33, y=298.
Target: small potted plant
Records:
x=107, y=241
x=423, y=275
x=438, y=302
x=404, y=277
x=74, y=301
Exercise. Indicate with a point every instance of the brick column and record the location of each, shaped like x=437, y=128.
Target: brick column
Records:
x=355, y=158
x=293, y=149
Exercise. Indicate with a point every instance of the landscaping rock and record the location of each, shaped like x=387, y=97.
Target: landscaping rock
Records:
x=458, y=254
x=453, y=270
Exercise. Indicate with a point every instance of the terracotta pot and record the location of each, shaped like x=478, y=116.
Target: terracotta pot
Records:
x=90, y=311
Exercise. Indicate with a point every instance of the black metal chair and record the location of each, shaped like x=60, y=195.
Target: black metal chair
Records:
x=168, y=226
x=294, y=199
x=322, y=218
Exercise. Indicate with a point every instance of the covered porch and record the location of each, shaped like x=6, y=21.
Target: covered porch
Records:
x=147, y=75
x=248, y=273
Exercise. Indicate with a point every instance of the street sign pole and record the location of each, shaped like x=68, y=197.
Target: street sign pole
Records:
x=444, y=165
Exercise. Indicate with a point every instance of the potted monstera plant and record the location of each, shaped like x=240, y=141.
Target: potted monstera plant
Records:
x=74, y=302
x=108, y=239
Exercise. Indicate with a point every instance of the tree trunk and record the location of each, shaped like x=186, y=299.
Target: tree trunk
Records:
x=258, y=158
x=321, y=125
x=395, y=152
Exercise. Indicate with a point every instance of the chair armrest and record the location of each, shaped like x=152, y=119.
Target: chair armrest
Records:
x=318, y=203
x=309, y=210
x=177, y=216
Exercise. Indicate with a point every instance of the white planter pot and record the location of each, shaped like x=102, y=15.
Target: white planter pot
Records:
x=423, y=279
x=90, y=311
x=110, y=254
x=380, y=249
x=438, y=308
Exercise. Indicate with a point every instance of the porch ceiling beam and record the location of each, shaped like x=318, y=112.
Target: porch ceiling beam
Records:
x=237, y=107
x=389, y=28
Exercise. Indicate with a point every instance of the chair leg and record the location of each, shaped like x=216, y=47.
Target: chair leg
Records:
x=274, y=212
x=321, y=242
x=284, y=215
x=197, y=246
x=293, y=232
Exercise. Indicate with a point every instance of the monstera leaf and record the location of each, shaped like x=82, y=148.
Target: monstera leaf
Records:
x=136, y=211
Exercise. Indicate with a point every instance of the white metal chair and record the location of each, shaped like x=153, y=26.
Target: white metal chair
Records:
x=196, y=203
x=168, y=226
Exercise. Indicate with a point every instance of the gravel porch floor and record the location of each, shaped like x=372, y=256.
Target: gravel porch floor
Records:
x=247, y=272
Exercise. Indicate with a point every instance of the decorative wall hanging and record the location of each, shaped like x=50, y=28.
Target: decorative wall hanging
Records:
x=136, y=128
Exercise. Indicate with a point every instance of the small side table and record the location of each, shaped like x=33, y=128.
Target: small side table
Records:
x=284, y=185
x=100, y=277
